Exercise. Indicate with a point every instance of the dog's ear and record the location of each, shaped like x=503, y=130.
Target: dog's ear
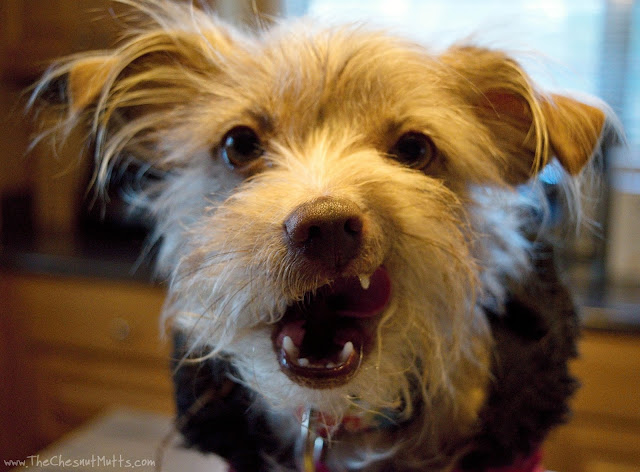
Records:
x=86, y=79
x=528, y=127
x=132, y=95
x=146, y=61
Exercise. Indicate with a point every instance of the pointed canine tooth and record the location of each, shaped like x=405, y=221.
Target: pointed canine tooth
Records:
x=330, y=365
x=289, y=347
x=303, y=362
x=365, y=281
x=347, y=349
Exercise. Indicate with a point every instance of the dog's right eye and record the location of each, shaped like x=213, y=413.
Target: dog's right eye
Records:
x=240, y=147
x=414, y=149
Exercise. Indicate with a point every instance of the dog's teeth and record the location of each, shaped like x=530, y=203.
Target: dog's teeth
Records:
x=303, y=362
x=347, y=349
x=365, y=281
x=330, y=365
x=290, y=348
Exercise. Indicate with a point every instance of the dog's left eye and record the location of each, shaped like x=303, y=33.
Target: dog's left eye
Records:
x=240, y=147
x=414, y=149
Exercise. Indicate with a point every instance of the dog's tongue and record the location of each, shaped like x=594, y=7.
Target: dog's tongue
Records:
x=348, y=296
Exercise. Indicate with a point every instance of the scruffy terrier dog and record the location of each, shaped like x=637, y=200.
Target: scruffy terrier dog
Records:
x=357, y=278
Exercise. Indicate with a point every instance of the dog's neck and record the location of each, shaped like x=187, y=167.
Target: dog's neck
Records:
x=319, y=428
x=356, y=420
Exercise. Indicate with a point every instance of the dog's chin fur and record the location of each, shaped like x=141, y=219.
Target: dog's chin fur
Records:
x=329, y=104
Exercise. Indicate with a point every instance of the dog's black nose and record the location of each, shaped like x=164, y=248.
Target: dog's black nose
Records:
x=327, y=231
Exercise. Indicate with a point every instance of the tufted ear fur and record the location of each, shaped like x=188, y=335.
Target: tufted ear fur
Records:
x=165, y=37
x=131, y=95
x=86, y=79
x=527, y=126
x=148, y=61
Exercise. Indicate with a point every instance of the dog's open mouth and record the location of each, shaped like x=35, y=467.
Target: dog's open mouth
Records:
x=321, y=341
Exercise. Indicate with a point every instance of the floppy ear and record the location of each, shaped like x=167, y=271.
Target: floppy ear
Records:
x=168, y=45
x=86, y=79
x=527, y=126
x=132, y=95
x=155, y=59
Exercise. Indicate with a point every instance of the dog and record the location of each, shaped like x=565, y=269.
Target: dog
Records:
x=353, y=232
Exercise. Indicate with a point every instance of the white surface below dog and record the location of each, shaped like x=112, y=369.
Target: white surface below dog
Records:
x=123, y=440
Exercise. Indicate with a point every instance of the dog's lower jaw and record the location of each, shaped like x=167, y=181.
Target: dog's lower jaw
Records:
x=432, y=428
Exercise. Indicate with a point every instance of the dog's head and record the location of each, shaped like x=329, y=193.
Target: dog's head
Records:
x=338, y=203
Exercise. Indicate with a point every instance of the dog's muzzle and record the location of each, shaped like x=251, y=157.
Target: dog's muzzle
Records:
x=321, y=341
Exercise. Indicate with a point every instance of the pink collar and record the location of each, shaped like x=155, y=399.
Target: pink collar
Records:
x=532, y=463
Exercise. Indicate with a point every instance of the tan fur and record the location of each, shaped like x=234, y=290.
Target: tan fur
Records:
x=330, y=103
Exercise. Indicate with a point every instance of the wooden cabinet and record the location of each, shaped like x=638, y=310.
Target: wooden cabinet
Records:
x=35, y=32
x=81, y=346
x=604, y=434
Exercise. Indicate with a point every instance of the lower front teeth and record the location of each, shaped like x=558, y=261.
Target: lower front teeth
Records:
x=293, y=352
x=304, y=362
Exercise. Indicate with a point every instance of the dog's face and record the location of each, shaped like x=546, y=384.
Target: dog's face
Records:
x=320, y=214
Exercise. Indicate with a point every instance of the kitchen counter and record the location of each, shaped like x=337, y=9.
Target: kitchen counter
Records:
x=80, y=256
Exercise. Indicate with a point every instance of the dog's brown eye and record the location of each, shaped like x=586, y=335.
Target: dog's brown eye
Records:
x=240, y=147
x=413, y=149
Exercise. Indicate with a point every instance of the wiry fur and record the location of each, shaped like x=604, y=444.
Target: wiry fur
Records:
x=329, y=103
